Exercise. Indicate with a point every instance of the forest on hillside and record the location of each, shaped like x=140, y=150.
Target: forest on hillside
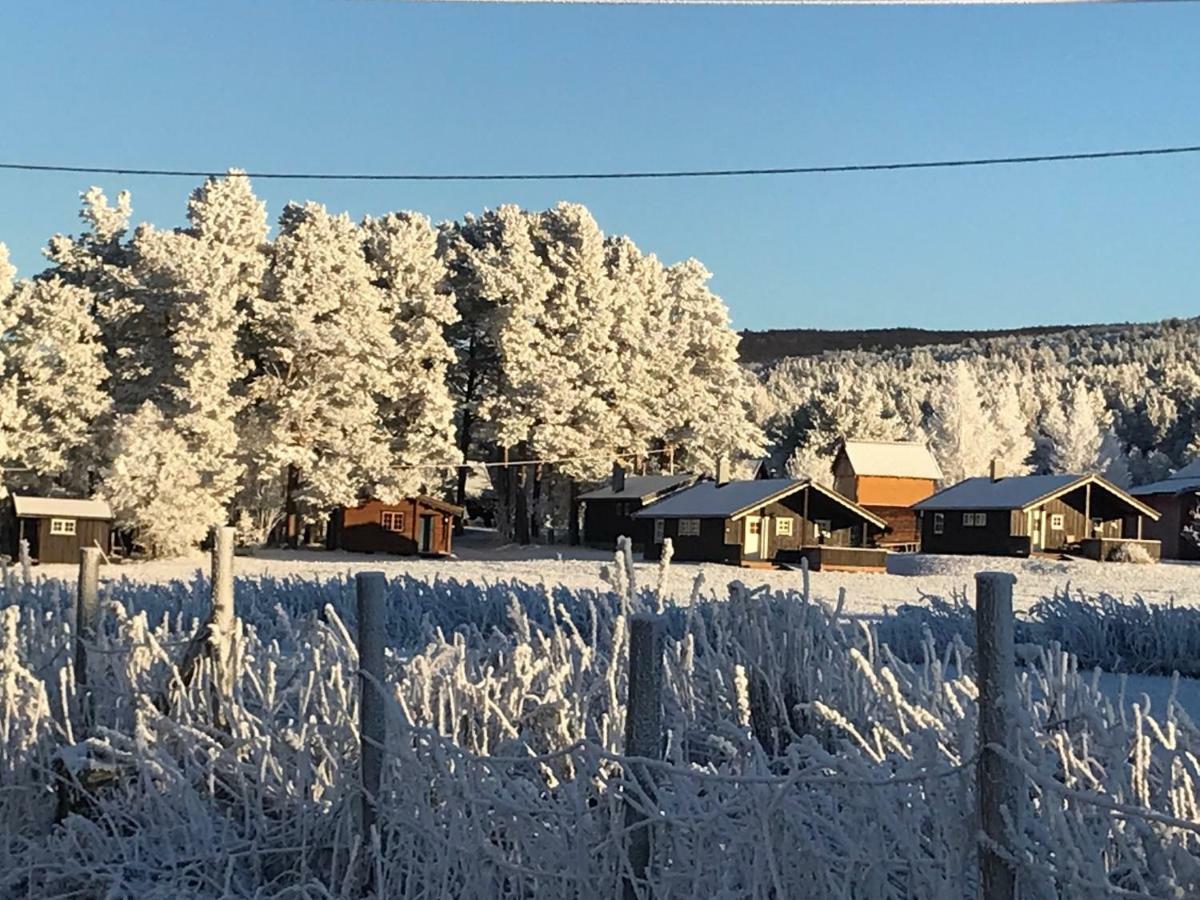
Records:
x=220, y=373
x=1123, y=402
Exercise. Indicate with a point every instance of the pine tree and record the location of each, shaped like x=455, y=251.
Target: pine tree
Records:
x=153, y=486
x=961, y=431
x=1072, y=433
x=320, y=337
x=418, y=410
x=52, y=367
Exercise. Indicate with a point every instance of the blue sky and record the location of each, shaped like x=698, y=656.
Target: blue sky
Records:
x=382, y=86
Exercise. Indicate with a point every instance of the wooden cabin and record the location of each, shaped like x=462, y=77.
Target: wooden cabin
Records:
x=608, y=511
x=764, y=522
x=1176, y=500
x=1019, y=515
x=415, y=526
x=887, y=478
x=57, y=528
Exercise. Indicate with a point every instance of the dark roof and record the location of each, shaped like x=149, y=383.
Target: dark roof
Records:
x=708, y=500
x=1185, y=481
x=1020, y=492
x=641, y=487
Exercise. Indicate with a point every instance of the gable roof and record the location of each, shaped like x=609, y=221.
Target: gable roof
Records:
x=1184, y=481
x=734, y=499
x=442, y=505
x=641, y=487
x=893, y=459
x=66, y=507
x=1020, y=492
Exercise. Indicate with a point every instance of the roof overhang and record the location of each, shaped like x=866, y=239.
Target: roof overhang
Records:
x=821, y=489
x=1103, y=483
x=63, y=507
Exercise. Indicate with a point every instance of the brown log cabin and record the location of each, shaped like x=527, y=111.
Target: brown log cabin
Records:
x=57, y=528
x=414, y=526
x=764, y=522
x=887, y=478
x=1177, y=501
x=1083, y=515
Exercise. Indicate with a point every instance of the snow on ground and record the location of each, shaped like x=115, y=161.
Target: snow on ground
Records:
x=909, y=576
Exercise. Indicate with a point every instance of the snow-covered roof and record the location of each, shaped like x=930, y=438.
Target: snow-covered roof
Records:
x=708, y=500
x=894, y=459
x=1184, y=481
x=640, y=487
x=67, y=508
x=1019, y=492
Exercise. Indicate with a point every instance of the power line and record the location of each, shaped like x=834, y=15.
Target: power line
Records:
x=621, y=175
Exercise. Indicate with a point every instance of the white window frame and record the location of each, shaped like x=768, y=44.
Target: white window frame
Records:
x=980, y=520
x=939, y=523
x=784, y=526
x=660, y=526
x=974, y=519
x=392, y=520
x=63, y=527
x=1057, y=521
x=689, y=528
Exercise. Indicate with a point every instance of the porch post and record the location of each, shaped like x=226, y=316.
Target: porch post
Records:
x=1087, y=508
x=1139, y=526
x=804, y=524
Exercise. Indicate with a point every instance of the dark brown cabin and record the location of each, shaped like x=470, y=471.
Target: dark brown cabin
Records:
x=887, y=478
x=1176, y=500
x=57, y=528
x=764, y=522
x=1019, y=515
x=608, y=511
x=414, y=526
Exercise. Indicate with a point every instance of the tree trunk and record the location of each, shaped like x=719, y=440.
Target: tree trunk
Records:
x=521, y=506
x=535, y=526
x=573, y=518
x=464, y=446
x=291, y=532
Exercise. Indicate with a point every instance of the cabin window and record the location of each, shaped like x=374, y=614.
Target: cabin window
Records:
x=1097, y=526
x=974, y=519
x=392, y=521
x=939, y=523
x=783, y=527
x=1056, y=521
x=824, y=527
x=62, y=526
x=659, y=527
x=689, y=527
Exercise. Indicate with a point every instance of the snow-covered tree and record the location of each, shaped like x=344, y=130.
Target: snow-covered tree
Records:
x=809, y=462
x=962, y=435
x=417, y=409
x=153, y=486
x=200, y=280
x=52, y=369
x=1072, y=432
x=320, y=337
x=9, y=408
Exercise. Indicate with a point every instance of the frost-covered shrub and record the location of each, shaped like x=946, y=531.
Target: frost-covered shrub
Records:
x=1131, y=553
x=802, y=756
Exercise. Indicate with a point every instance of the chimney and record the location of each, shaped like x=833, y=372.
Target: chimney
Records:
x=722, y=470
x=997, y=471
x=618, y=478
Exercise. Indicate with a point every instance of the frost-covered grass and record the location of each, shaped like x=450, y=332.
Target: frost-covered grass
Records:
x=803, y=757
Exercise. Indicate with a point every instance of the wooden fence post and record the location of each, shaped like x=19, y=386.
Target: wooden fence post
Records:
x=221, y=635
x=87, y=614
x=643, y=737
x=998, y=783
x=372, y=619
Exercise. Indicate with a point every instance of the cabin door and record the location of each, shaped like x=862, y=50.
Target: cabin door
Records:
x=425, y=542
x=1035, y=530
x=753, y=539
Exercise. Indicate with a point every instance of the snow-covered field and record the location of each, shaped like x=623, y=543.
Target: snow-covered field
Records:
x=803, y=755
x=909, y=576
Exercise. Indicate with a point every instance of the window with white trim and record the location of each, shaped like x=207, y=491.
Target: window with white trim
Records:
x=689, y=527
x=784, y=526
x=1056, y=521
x=62, y=526
x=659, y=528
x=939, y=523
x=974, y=519
x=391, y=521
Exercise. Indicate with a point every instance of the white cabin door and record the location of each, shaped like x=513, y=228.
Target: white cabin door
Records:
x=753, y=537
